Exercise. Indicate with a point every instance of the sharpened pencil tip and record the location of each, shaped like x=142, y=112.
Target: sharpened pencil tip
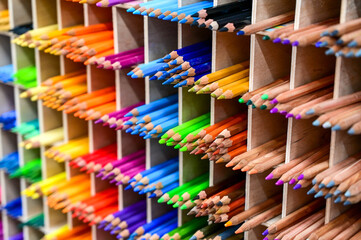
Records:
x=277, y=40
x=297, y=186
x=314, y=181
x=326, y=125
x=153, y=195
x=279, y=182
x=328, y=195
x=228, y=224
x=269, y=177
x=240, y=33
x=352, y=44
x=274, y=110
x=289, y=115
x=266, y=37
x=142, y=134
x=183, y=207
x=193, y=238
x=325, y=33
x=292, y=181
x=152, y=14
x=336, y=128
x=310, y=112
x=241, y=100
x=295, y=44
x=334, y=33
x=264, y=96
x=319, y=194
x=321, y=185
x=351, y=131
x=265, y=232
x=286, y=42
x=298, y=117
x=338, y=199
x=274, y=101
x=347, y=193
x=346, y=203
x=249, y=102
x=316, y=123
x=337, y=192
x=223, y=29
x=331, y=184
x=263, y=107
x=300, y=177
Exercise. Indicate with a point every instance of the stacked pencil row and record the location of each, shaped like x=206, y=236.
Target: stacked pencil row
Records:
x=4, y=20
x=221, y=201
x=89, y=45
x=341, y=181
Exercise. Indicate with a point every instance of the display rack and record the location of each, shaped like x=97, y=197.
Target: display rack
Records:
x=268, y=62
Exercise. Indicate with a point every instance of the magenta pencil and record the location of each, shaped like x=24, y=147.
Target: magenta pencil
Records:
x=140, y=49
x=108, y=62
x=119, y=112
x=126, y=63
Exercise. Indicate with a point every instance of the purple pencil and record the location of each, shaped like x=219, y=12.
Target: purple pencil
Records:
x=107, y=116
x=107, y=63
x=124, y=177
x=126, y=63
x=122, y=168
x=110, y=3
x=121, y=54
x=122, y=214
x=111, y=165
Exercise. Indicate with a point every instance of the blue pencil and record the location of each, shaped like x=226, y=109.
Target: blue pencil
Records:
x=164, y=127
x=158, y=174
x=157, y=104
x=161, y=182
x=188, y=49
x=140, y=175
x=160, y=192
x=159, y=113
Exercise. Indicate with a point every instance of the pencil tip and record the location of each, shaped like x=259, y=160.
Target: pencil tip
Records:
x=289, y=115
x=314, y=181
x=351, y=131
x=352, y=44
x=279, y=182
x=142, y=134
x=328, y=195
x=334, y=33
x=295, y=44
x=292, y=181
x=316, y=123
x=153, y=195
x=263, y=107
x=337, y=192
x=286, y=42
x=297, y=186
x=338, y=199
x=241, y=100
x=274, y=110
x=319, y=194
x=321, y=185
x=274, y=101
x=223, y=29
x=326, y=125
x=347, y=193
x=228, y=224
x=346, y=203
x=269, y=177
x=249, y=102
x=336, y=128
x=277, y=40
x=310, y=112
x=265, y=232
x=240, y=33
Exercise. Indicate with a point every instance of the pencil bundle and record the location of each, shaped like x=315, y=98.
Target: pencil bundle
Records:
x=341, y=181
x=4, y=20
x=117, y=61
x=111, y=3
x=64, y=232
x=153, y=119
x=57, y=90
x=342, y=39
x=30, y=170
x=227, y=17
x=13, y=208
x=278, y=98
x=93, y=209
x=119, y=171
x=301, y=37
x=27, y=129
x=182, y=196
x=8, y=120
x=186, y=63
x=302, y=169
x=78, y=43
x=36, y=221
x=267, y=23
x=168, y=10
x=26, y=77
x=66, y=152
x=157, y=227
x=257, y=214
x=217, y=231
x=117, y=118
x=47, y=138
x=220, y=202
x=177, y=136
x=300, y=224
x=10, y=162
x=44, y=187
x=160, y=177
x=342, y=113
x=126, y=221
x=186, y=230
x=18, y=236
x=219, y=142
x=6, y=73
x=226, y=83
